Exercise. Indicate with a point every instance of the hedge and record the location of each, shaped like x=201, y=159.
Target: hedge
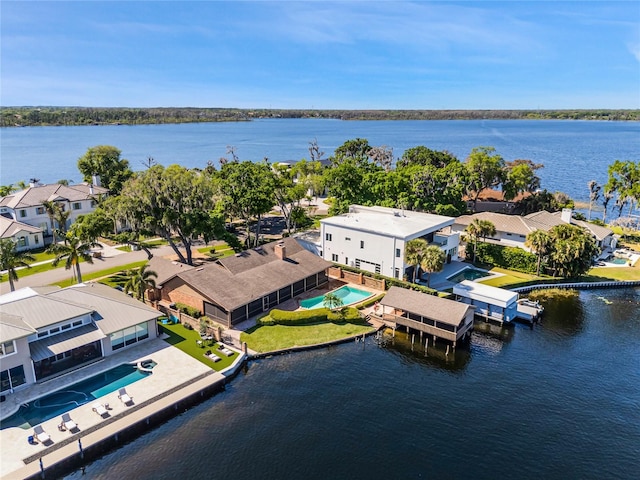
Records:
x=511, y=258
x=305, y=317
x=189, y=310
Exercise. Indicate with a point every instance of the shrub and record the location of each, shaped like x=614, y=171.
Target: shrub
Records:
x=369, y=301
x=189, y=310
x=391, y=281
x=306, y=317
x=511, y=258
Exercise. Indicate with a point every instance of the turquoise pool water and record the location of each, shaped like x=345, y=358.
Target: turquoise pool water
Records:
x=468, y=274
x=616, y=260
x=57, y=403
x=348, y=295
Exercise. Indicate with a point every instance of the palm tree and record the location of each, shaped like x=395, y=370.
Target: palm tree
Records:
x=138, y=281
x=413, y=253
x=539, y=242
x=432, y=261
x=331, y=301
x=594, y=194
x=11, y=259
x=479, y=228
x=52, y=209
x=74, y=249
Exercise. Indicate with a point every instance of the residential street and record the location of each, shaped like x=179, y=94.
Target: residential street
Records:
x=111, y=257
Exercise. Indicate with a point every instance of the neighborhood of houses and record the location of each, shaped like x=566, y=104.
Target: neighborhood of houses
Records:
x=46, y=332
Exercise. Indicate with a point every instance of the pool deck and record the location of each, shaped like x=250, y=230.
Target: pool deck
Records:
x=175, y=376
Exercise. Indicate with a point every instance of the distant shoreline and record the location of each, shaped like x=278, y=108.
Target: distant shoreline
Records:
x=77, y=116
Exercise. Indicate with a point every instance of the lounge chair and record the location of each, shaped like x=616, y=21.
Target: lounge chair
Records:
x=67, y=423
x=40, y=435
x=214, y=358
x=124, y=396
x=99, y=409
x=223, y=348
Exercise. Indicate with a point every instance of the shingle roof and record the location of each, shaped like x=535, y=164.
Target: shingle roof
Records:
x=236, y=281
x=34, y=196
x=166, y=269
x=8, y=227
x=429, y=306
x=502, y=222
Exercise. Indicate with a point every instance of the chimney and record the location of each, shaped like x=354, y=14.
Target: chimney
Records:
x=91, y=189
x=95, y=180
x=566, y=215
x=280, y=251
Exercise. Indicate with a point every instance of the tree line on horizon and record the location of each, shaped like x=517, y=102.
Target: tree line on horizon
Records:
x=60, y=116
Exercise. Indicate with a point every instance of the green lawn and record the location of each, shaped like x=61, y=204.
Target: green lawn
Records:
x=277, y=337
x=102, y=273
x=218, y=251
x=509, y=278
x=185, y=340
x=602, y=274
x=45, y=267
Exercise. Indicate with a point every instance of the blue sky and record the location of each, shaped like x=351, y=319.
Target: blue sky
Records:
x=317, y=54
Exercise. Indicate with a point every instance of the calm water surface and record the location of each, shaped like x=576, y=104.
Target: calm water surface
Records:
x=573, y=152
x=559, y=401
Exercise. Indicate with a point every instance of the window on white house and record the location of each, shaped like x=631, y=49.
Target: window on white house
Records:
x=23, y=241
x=347, y=239
x=398, y=252
x=361, y=243
x=40, y=210
x=7, y=348
x=334, y=257
x=327, y=237
x=23, y=213
x=77, y=205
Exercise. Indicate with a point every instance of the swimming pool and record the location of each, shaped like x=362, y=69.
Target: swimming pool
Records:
x=61, y=401
x=468, y=274
x=616, y=260
x=347, y=294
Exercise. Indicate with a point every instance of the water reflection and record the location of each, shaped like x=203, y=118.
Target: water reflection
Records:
x=412, y=349
x=564, y=313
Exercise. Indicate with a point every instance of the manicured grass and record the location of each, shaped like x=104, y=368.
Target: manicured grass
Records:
x=218, y=251
x=600, y=274
x=278, y=337
x=45, y=267
x=102, y=273
x=185, y=340
x=509, y=278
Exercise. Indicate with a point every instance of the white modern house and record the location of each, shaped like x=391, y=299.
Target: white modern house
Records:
x=374, y=238
x=489, y=302
x=26, y=206
x=48, y=331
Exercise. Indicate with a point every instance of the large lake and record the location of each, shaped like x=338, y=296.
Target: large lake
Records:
x=573, y=152
x=559, y=401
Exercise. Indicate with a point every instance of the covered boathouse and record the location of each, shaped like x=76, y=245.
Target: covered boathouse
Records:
x=237, y=288
x=491, y=303
x=435, y=316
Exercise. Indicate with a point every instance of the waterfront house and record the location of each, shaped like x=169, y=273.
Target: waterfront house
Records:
x=435, y=316
x=491, y=303
x=237, y=288
x=374, y=238
x=26, y=206
x=47, y=331
x=512, y=230
x=23, y=235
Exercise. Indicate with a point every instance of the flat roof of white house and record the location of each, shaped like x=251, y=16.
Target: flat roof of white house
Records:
x=485, y=293
x=393, y=222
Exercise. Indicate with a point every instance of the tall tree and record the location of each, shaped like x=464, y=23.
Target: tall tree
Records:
x=74, y=249
x=624, y=181
x=414, y=251
x=479, y=228
x=424, y=156
x=594, y=194
x=382, y=156
x=52, y=208
x=105, y=161
x=287, y=191
x=519, y=177
x=11, y=260
x=540, y=243
x=432, y=261
x=248, y=193
x=486, y=170
x=172, y=202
